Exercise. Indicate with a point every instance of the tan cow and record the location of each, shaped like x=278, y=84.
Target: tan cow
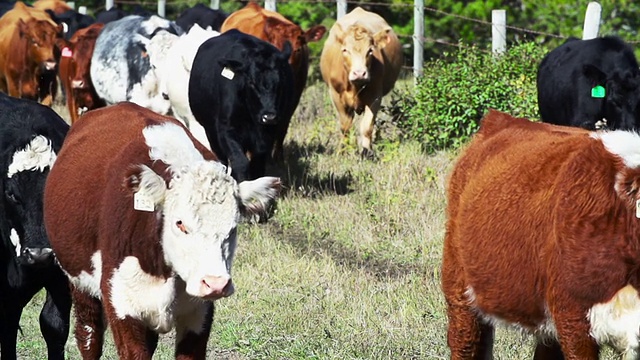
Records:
x=360, y=62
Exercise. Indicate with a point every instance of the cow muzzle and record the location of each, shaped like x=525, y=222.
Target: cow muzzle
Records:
x=36, y=256
x=268, y=119
x=215, y=287
x=49, y=65
x=359, y=77
x=78, y=84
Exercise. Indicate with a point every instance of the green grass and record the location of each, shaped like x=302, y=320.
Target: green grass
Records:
x=349, y=265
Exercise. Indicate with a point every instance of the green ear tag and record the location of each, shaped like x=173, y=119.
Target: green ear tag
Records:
x=597, y=92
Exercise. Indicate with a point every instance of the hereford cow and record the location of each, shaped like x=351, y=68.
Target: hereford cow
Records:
x=30, y=137
x=74, y=67
x=134, y=197
x=360, y=62
x=27, y=63
x=120, y=67
x=239, y=91
x=201, y=15
x=277, y=30
x=591, y=84
x=543, y=233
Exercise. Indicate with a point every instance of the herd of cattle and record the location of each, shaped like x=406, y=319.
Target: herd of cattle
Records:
x=542, y=220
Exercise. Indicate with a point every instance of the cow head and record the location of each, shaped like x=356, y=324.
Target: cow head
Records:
x=279, y=32
x=621, y=101
x=359, y=48
x=264, y=82
x=40, y=36
x=200, y=206
x=25, y=175
x=77, y=53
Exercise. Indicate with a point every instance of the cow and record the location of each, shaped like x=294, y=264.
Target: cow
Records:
x=590, y=84
x=107, y=16
x=71, y=22
x=542, y=233
x=239, y=91
x=120, y=68
x=27, y=62
x=74, y=67
x=30, y=137
x=360, y=62
x=177, y=71
x=278, y=30
x=143, y=220
x=202, y=15
x=58, y=7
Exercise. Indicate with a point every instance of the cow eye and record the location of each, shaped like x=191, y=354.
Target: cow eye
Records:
x=181, y=226
x=370, y=52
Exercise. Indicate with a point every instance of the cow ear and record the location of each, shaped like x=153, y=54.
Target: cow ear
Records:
x=234, y=65
x=255, y=195
x=382, y=37
x=594, y=74
x=315, y=33
x=147, y=183
x=62, y=43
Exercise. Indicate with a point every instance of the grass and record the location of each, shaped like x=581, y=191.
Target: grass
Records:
x=349, y=265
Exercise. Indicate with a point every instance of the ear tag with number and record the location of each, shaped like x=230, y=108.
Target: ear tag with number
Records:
x=228, y=73
x=66, y=52
x=597, y=92
x=143, y=202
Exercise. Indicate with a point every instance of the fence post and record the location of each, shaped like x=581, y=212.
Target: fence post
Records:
x=591, y=21
x=498, y=31
x=215, y=4
x=72, y=4
x=82, y=10
x=161, y=7
x=418, y=39
x=108, y=4
x=342, y=8
x=270, y=5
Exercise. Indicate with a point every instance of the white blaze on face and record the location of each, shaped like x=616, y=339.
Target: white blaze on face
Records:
x=36, y=156
x=200, y=210
x=15, y=240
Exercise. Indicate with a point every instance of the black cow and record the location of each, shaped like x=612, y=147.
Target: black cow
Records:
x=30, y=137
x=72, y=21
x=590, y=84
x=240, y=88
x=202, y=15
x=107, y=16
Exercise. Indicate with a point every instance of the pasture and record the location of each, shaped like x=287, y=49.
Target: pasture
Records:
x=349, y=265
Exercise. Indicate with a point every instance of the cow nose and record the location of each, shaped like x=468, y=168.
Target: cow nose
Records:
x=359, y=74
x=50, y=65
x=33, y=256
x=216, y=287
x=268, y=118
x=77, y=84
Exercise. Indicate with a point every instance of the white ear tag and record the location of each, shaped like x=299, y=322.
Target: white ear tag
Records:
x=143, y=202
x=638, y=209
x=228, y=73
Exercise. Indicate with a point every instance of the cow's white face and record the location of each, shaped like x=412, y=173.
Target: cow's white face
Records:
x=199, y=228
x=359, y=47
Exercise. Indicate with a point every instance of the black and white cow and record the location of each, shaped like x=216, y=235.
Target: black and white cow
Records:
x=202, y=15
x=591, y=84
x=240, y=89
x=30, y=137
x=120, y=66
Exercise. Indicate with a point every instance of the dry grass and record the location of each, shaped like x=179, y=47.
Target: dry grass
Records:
x=349, y=265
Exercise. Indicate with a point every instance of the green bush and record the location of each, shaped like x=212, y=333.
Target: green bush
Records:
x=453, y=94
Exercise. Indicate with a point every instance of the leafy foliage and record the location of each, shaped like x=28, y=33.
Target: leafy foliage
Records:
x=451, y=97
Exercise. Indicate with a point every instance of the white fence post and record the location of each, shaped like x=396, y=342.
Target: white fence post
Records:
x=342, y=8
x=108, y=4
x=82, y=10
x=270, y=5
x=418, y=38
x=162, y=7
x=215, y=4
x=591, y=21
x=498, y=31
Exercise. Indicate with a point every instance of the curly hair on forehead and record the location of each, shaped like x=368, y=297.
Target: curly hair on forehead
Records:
x=358, y=32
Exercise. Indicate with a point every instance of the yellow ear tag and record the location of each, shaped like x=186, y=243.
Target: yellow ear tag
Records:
x=143, y=202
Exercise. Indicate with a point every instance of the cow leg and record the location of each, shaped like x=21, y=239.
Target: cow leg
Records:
x=54, y=317
x=366, y=129
x=192, y=332
x=90, y=327
x=547, y=350
x=573, y=333
x=71, y=105
x=130, y=335
x=11, y=312
x=345, y=114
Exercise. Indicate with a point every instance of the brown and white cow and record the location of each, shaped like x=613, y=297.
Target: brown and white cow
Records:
x=142, y=219
x=274, y=28
x=75, y=63
x=543, y=232
x=360, y=61
x=27, y=63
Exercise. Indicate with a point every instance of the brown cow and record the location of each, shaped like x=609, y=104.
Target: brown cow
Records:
x=543, y=232
x=276, y=29
x=27, y=63
x=360, y=61
x=142, y=219
x=75, y=62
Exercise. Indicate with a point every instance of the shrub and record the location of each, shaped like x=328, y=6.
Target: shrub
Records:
x=452, y=96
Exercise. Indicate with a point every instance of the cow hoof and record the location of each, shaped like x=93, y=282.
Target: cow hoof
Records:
x=367, y=154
